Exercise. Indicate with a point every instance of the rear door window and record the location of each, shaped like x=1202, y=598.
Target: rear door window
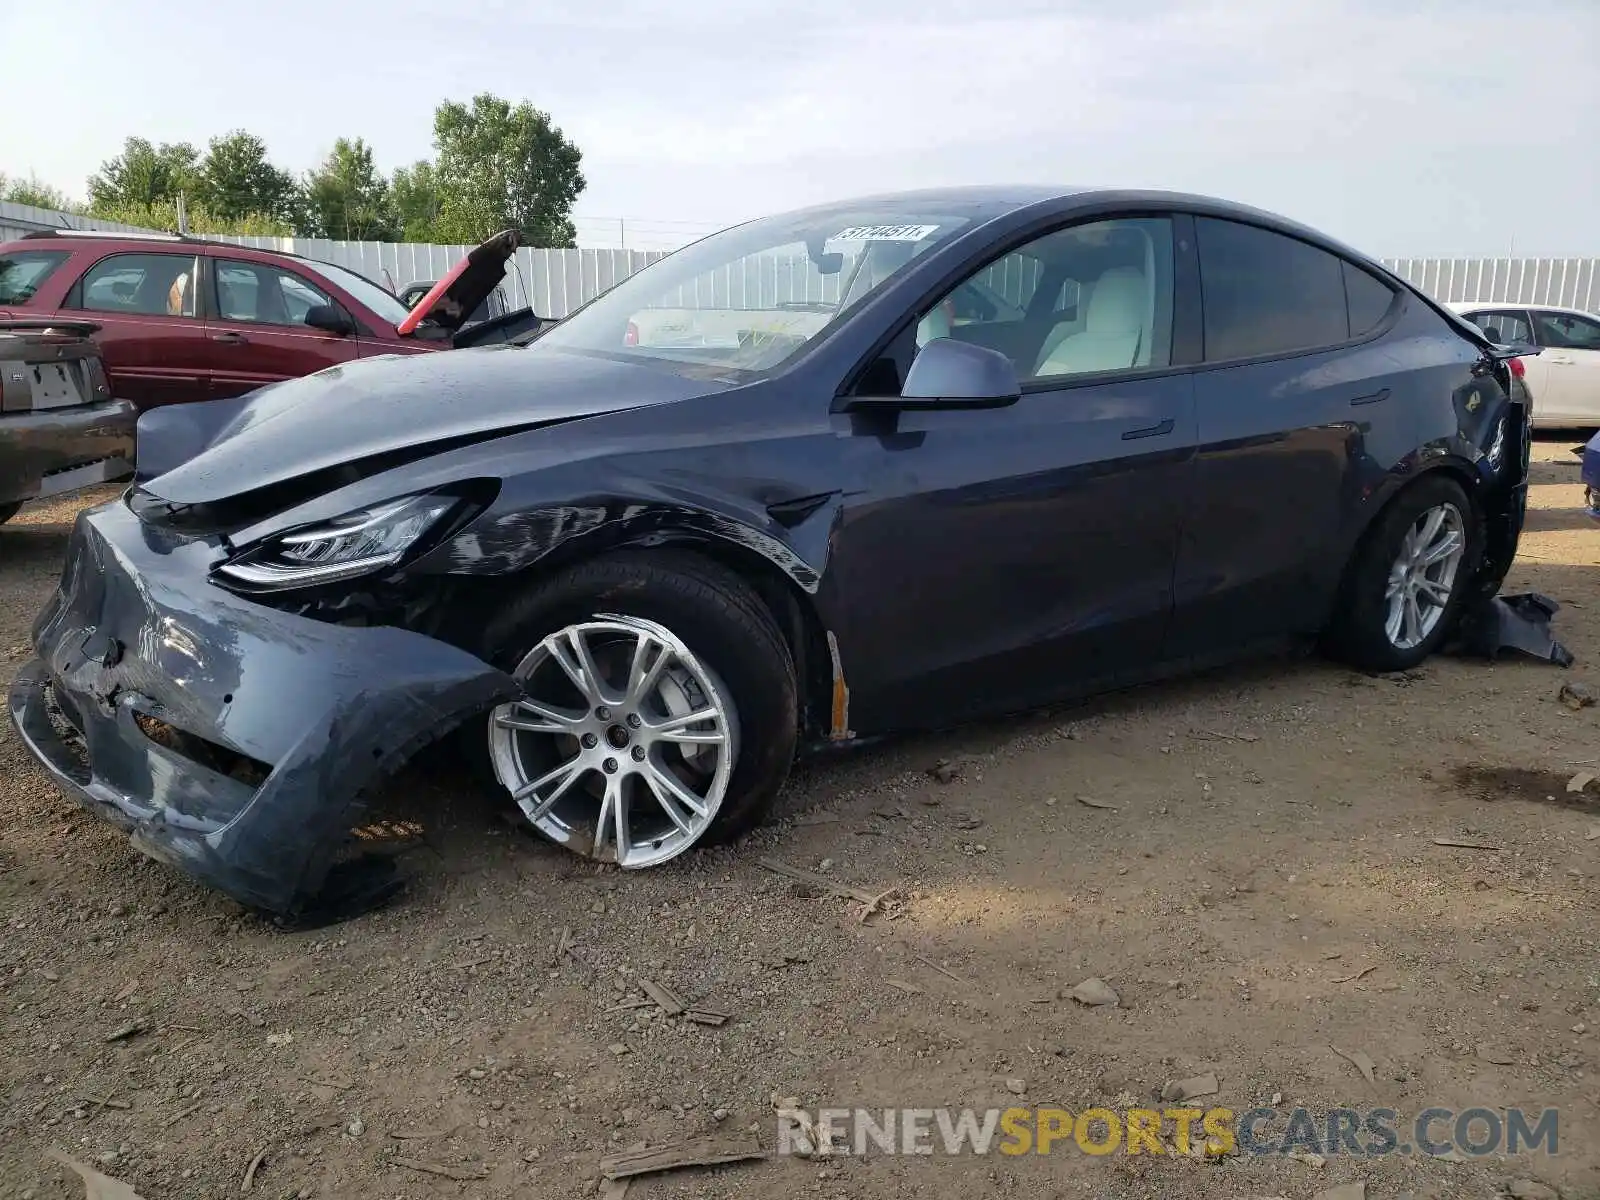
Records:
x=22, y=272
x=152, y=285
x=260, y=294
x=1503, y=326
x=1265, y=293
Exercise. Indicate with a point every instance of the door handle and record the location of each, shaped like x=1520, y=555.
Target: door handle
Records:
x=1377, y=397
x=1160, y=430
x=230, y=338
x=1558, y=358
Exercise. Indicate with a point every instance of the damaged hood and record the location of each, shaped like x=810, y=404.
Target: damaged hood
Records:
x=203, y=453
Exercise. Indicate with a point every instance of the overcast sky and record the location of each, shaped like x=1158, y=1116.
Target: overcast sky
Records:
x=1418, y=128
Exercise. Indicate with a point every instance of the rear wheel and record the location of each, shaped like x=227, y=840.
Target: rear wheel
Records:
x=1409, y=579
x=659, y=708
x=7, y=511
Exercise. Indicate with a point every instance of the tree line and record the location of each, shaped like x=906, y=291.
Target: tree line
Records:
x=495, y=166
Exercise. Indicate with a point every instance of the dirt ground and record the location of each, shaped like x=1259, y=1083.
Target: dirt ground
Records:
x=1265, y=886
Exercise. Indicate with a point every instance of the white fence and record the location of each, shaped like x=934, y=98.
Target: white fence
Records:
x=554, y=282
x=1573, y=282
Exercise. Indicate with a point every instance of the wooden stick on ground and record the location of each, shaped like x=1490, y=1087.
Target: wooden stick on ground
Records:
x=250, y=1171
x=819, y=881
x=668, y=1000
x=701, y=1152
x=428, y=1168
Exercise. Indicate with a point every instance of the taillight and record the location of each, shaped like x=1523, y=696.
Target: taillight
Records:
x=630, y=336
x=1517, y=369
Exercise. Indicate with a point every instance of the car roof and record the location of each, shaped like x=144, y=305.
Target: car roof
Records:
x=979, y=201
x=984, y=203
x=42, y=239
x=1486, y=305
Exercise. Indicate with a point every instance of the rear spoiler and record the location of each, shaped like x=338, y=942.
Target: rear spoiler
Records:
x=1497, y=351
x=81, y=328
x=1500, y=353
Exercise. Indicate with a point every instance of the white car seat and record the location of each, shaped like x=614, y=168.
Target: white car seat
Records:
x=1115, y=332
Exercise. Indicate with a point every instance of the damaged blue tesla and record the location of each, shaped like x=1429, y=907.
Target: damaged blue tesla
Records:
x=872, y=466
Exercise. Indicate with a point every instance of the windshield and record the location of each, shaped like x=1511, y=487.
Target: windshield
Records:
x=383, y=303
x=751, y=297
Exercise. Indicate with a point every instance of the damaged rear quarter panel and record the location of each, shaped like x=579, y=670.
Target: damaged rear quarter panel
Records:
x=1446, y=418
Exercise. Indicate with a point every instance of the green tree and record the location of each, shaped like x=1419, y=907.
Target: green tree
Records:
x=347, y=199
x=416, y=198
x=501, y=167
x=163, y=215
x=36, y=192
x=236, y=178
x=143, y=174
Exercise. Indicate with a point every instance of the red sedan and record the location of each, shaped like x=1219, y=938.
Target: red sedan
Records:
x=184, y=319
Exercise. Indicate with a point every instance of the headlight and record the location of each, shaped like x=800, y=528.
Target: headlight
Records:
x=355, y=544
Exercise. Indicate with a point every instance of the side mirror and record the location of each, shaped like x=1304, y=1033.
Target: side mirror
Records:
x=951, y=374
x=329, y=318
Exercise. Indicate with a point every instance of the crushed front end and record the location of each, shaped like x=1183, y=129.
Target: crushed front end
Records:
x=232, y=740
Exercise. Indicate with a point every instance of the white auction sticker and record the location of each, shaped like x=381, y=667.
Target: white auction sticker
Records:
x=885, y=233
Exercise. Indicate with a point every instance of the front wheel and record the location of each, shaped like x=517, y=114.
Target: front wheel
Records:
x=1409, y=579
x=659, y=707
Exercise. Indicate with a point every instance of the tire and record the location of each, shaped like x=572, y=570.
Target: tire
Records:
x=731, y=640
x=7, y=511
x=1361, y=633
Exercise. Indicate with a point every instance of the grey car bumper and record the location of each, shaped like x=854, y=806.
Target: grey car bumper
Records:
x=230, y=740
x=44, y=453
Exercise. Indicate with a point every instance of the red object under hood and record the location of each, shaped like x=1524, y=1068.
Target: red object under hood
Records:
x=465, y=286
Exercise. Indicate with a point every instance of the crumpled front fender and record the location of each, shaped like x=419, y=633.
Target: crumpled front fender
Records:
x=231, y=740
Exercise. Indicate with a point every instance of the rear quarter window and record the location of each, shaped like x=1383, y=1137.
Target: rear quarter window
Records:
x=1368, y=298
x=23, y=272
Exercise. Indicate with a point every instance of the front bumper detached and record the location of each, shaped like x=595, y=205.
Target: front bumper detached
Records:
x=230, y=740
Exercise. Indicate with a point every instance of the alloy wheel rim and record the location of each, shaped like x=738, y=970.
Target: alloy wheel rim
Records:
x=622, y=744
x=1423, y=576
